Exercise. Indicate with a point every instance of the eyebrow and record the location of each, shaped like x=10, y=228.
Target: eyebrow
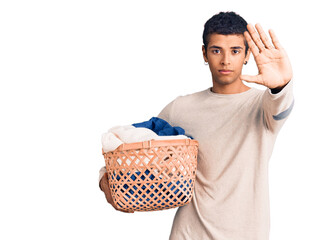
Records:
x=236, y=47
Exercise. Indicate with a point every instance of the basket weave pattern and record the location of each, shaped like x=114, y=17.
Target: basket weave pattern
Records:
x=152, y=175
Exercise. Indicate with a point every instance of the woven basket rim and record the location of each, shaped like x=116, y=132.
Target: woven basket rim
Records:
x=154, y=143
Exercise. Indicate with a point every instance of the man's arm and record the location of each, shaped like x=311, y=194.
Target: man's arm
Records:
x=275, y=72
x=277, y=106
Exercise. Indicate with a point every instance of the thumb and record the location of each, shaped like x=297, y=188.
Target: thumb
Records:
x=254, y=79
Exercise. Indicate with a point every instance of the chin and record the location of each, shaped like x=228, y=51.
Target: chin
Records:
x=225, y=81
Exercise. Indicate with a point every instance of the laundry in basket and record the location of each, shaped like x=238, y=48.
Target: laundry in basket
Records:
x=152, y=174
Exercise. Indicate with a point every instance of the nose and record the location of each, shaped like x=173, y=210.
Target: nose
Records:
x=225, y=59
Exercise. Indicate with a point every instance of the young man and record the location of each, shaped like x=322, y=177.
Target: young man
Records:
x=236, y=127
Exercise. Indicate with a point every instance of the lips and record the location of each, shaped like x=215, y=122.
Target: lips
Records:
x=225, y=71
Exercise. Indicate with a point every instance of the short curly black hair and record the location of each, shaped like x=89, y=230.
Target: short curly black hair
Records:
x=224, y=23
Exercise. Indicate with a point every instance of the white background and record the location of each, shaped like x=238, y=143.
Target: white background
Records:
x=70, y=70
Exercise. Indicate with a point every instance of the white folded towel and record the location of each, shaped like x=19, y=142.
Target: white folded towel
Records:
x=110, y=142
x=130, y=134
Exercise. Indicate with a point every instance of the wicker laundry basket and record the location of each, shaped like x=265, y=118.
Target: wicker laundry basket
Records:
x=152, y=175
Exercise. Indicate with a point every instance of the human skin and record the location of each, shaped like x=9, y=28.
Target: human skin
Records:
x=227, y=52
x=273, y=64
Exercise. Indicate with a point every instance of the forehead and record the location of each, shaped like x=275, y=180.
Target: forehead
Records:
x=224, y=41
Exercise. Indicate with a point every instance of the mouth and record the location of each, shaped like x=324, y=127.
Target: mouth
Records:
x=225, y=71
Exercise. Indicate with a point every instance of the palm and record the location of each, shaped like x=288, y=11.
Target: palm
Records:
x=272, y=61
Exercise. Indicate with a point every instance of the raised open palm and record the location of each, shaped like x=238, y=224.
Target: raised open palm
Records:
x=273, y=64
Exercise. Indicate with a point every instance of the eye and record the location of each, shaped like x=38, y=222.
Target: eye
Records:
x=217, y=51
x=236, y=51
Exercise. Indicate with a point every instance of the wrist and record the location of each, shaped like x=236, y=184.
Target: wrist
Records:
x=278, y=89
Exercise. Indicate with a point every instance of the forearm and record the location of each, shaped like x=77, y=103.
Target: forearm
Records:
x=276, y=107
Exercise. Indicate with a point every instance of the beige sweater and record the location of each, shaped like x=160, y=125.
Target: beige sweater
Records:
x=236, y=134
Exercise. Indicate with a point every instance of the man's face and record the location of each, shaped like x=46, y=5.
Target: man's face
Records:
x=226, y=56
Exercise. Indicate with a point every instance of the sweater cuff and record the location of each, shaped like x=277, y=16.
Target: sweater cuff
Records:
x=286, y=88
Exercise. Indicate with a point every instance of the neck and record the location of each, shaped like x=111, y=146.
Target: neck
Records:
x=233, y=88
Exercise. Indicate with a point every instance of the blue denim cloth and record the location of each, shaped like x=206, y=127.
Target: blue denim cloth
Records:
x=161, y=127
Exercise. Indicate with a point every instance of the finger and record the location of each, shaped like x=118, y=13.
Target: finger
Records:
x=251, y=44
x=253, y=79
x=255, y=36
x=264, y=37
x=275, y=39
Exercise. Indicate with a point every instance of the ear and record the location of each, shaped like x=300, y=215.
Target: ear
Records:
x=204, y=53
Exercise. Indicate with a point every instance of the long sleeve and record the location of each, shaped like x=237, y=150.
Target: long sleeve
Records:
x=277, y=107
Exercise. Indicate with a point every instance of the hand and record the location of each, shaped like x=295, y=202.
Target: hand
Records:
x=273, y=64
x=105, y=188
